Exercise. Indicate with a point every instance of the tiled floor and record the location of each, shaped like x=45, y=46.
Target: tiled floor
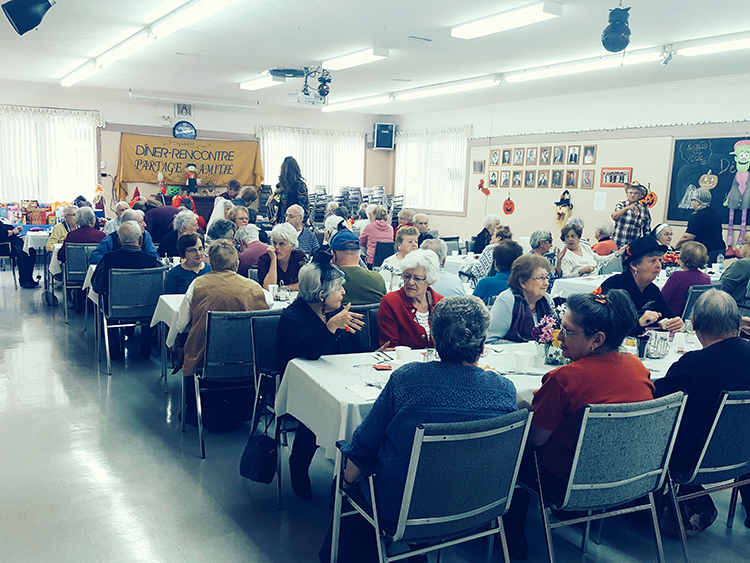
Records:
x=94, y=468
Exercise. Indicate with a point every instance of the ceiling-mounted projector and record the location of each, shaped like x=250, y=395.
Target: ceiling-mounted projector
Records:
x=309, y=98
x=287, y=72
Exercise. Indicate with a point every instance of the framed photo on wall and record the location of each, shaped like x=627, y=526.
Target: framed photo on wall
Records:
x=557, y=179
x=531, y=154
x=517, y=178
x=505, y=178
x=506, y=157
x=558, y=156
x=571, y=179
x=518, y=157
x=589, y=154
x=545, y=156
x=543, y=179
x=573, y=154
x=493, y=179
x=530, y=180
x=615, y=177
x=478, y=167
x=494, y=158
x=587, y=179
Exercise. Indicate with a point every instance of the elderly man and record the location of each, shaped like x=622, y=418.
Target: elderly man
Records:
x=734, y=280
x=449, y=284
x=129, y=256
x=363, y=286
x=159, y=219
x=85, y=233
x=184, y=222
x=603, y=233
x=251, y=248
x=233, y=190
x=113, y=224
x=331, y=207
x=632, y=218
x=112, y=242
x=61, y=230
x=307, y=242
x=422, y=223
x=720, y=366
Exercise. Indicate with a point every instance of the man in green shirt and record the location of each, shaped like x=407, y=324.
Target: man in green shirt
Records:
x=363, y=286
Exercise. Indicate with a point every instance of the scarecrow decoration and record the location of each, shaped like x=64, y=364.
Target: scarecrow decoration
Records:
x=564, y=209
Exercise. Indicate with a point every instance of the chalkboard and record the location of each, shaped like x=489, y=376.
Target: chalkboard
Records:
x=692, y=159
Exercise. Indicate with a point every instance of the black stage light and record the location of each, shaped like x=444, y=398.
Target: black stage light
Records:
x=616, y=36
x=25, y=15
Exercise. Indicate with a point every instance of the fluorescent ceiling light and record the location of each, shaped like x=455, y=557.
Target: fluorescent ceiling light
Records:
x=356, y=59
x=127, y=47
x=81, y=73
x=188, y=14
x=581, y=66
x=203, y=103
x=448, y=89
x=263, y=82
x=358, y=103
x=715, y=48
x=511, y=19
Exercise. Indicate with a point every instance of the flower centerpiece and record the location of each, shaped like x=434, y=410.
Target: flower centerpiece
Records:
x=670, y=262
x=547, y=345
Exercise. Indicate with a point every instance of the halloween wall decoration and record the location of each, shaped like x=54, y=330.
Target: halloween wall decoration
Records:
x=738, y=197
x=482, y=189
x=508, y=206
x=564, y=209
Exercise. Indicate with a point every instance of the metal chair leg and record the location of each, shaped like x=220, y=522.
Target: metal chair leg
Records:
x=279, y=431
x=586, y=533
x=337, y=502
x=85, y=311
x=657, y=533
x=732, y=505
x=65, y=294
x=503, y=542
x=545, y=516
x=200, y=414
x=106, y=343
x=183, y=404
x=678, y=516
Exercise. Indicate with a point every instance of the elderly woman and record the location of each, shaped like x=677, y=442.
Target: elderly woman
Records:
x=282, y=262
x=642, y=264
x=403, y=316
x=405, y=217
x=221, y=289
x=490, y=225
x=377, y=231
x=406, y=242
x=85, y=233
x=576, y=259
x=113, y=224
x=704, y=226
x=251, y=248
x=239, y=216
x=484, y=266
x=603, y=234
x=519, y=308
x=184, y=222
x=503, y=255
x=221, y=210
x=663, y=234
x=220, y=229
x=179, y=278
x=61, y=230
x=692, y=258
x=313, y=325
x=593, y=329
x=384, y=439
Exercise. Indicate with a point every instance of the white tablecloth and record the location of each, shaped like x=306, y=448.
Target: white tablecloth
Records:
x=93, y=295
x=35, y=239
x=565, y=287
x=55, y=267
x=454, y=263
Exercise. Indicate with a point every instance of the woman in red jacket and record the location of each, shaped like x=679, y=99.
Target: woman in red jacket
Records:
x=403, y=316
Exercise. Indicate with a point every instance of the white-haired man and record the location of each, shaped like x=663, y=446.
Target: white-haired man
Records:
x=112, y=241
x=422, y=223
x=307, y=242
x=114, y=224
x=449, y=284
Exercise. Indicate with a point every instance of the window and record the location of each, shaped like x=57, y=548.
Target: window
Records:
x=326, y=158
x=431, y=168
x=47, y=154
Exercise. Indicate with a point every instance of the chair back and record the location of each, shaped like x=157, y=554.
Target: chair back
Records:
x=252, y=273
x=382, y=251
x=226, y=357
x=263, y=327
x=744, y=304
x=622, y=452
x=76, y=262
x=451, y=243
x=134, y=294
x=726, y=453
x=461, y=475
x=369, y=335
x=694, y=293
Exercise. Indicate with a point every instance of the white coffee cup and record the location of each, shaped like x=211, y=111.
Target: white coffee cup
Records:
x=454, y=252
x=678, y=343
x=402, y=352
x=523, y=360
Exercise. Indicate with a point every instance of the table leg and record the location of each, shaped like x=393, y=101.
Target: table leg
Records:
x=163, y=343
x=49, y=282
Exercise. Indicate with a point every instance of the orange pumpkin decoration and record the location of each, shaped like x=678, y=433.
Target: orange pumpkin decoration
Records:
x=708, y=181
x=509, y=207
x=650, y=199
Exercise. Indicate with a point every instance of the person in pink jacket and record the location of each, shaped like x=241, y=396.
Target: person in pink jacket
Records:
x=377, y=231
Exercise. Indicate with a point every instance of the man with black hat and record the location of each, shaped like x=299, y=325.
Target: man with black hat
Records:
x=363, y=286
x=632, y=218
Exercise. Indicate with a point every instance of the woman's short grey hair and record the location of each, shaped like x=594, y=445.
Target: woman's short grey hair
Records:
x=407, y=214
x=122, y=205
x=606, y=227
x=491, y=219
x=131, y=215
x=427, y=260
x=716, y=314
x=577, y=220
x=459, y=328
x=85, y=217
x=538, y=237
x=438, y=246
x=221, y=228
x=182, y=220
x=312, y=289
x=223, y=256
x=247, y=234
x=703, y=195
x=331, y=225
x=370, y=208
x=285, y=232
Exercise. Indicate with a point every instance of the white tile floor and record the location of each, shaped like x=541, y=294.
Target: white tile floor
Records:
x=94, y=468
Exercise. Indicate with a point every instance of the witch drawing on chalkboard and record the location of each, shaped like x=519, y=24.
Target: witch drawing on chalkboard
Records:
x=739, y=196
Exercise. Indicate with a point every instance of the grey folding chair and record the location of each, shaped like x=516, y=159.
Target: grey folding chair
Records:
x=725, y=457
x=228, y=363
x=459, y=484
x=694, y=293
x=369, y=334
x=132, y=299
x=452, y=244
x=74, y=271
x=5, y=250
x=252, y=273
x=621, y=455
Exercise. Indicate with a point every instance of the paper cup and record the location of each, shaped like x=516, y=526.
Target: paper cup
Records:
x=678, y=343
x=523, y=361
x=402, y=352
x=454, y=252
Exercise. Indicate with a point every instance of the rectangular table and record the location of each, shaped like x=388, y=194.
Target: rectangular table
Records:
x=565, y=287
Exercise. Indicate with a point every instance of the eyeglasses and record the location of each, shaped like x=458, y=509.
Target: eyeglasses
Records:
x=565, y=332
x=409, y=277
x=288, y=216
x=541, y=278
x=194, y=250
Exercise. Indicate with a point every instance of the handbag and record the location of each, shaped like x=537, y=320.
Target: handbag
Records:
x=258, y=461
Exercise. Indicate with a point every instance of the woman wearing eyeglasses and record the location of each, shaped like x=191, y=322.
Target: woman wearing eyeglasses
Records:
x=61, y=230
x=179, y=278
x=403, y=316
x=519, y=308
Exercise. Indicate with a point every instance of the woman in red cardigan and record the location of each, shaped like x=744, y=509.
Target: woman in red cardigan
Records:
x=403, y=316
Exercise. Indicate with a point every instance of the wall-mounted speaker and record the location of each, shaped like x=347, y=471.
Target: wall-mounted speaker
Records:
x=384, y=136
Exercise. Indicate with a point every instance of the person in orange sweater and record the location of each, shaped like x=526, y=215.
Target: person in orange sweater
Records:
x=605, y=245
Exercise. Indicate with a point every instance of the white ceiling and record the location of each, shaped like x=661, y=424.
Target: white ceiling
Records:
x=210, y=59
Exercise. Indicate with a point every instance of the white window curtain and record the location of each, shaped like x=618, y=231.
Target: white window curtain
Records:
x=47, y=154
x=431, y=168
x=326, y=158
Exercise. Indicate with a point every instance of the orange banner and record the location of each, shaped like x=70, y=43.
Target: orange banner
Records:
x=142, y=157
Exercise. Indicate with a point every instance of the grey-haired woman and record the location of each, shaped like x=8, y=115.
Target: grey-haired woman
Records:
x=704, y=226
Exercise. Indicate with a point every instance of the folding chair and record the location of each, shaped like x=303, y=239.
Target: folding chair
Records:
x=382, y=251
x=226, y=363
x=452, y=244
x=744, y=304
x=132, y=299
x=74, y=271
x=370, y=334
x=5, y=250
x=694, y=293
x=459, y=484
x=724, y=457
x=622, y=454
